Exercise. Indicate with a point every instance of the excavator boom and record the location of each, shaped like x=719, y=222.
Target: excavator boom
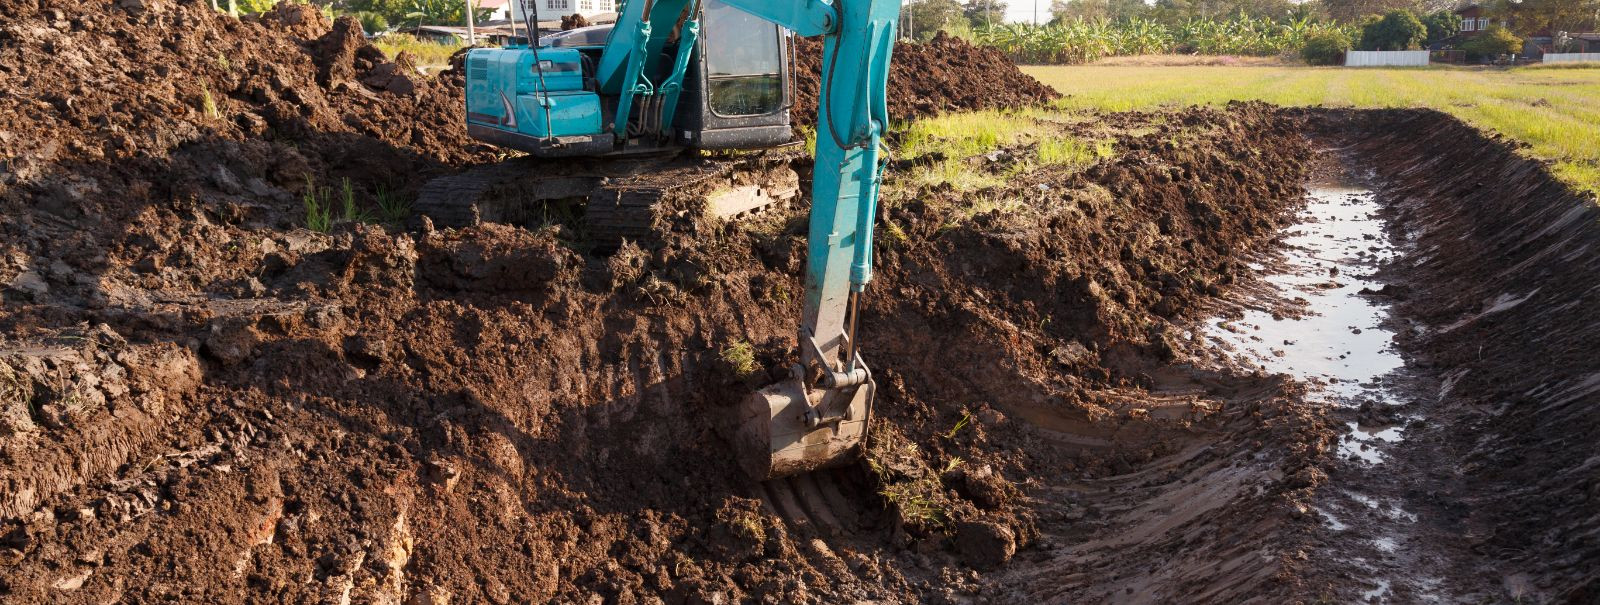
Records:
x=819, y=416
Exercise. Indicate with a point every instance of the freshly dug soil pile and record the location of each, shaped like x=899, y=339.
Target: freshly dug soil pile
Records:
x=134, y=81
x=489, y=415
x=943, y=74
x=1497, y=296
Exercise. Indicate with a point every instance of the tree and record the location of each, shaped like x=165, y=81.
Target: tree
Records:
x=1553, y=16
x=1115, y=10
x=924, y=18
x=444, y=12
x=1325, y=47
x=985, y=12
x=1441, y=25
x=1397, y=30
x=1493, y=42
x=1355, y=11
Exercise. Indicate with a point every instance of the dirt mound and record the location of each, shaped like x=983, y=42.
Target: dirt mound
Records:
x=489, y=415
x=155, y=99
x=944, y=74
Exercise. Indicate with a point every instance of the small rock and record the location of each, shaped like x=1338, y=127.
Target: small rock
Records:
x=985, y=544
x=148, y=264
x=430, y=595
x=30, y=283
x=443, y=473
x=254, y=287
x=226, y=181
x=369, y=349
x=73, y=582
x=231, y=341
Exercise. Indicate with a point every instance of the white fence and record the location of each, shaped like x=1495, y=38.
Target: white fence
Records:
x=1386, y=58
x=1570, y=57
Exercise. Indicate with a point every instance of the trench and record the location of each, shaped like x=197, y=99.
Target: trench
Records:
x=1434, y=319
x=1334, y=330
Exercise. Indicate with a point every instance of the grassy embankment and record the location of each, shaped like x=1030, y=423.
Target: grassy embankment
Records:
x=1556, y=111
x=431, y=56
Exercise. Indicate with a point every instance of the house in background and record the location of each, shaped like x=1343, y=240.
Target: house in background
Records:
x=1537, y=46
x=501, y=9
x=550, y=10
x=1473, y=20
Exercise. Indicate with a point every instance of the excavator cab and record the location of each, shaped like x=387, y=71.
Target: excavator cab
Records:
x=563, y=97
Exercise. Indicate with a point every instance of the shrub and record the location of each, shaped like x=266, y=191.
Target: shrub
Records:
x=1493, y=42
x=1441, y=25
x=1397, y=30
x=1325, y=48
x=373, y=23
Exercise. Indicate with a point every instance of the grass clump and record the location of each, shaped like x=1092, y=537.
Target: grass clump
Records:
x=319, y=204
x=963, y=135
x=740, y=358
x=1073, y=152
x=907, y=484
x=393, y=208
x=429, y=54
x=208, y=103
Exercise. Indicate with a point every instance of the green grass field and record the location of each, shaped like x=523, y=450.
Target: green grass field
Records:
x=1556, y=111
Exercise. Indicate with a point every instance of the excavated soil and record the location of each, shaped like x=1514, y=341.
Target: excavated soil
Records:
x=943, y=74
x=202, y=401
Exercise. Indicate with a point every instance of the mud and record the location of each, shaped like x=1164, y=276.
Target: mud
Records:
x=202, y=401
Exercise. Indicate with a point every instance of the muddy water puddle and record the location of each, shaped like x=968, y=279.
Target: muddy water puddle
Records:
x=1335, y=337
x=1338, y=340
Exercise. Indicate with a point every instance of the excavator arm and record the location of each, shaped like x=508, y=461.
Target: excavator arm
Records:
x=819, y=416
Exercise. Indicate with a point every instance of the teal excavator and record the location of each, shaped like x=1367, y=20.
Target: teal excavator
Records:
x=618, y=105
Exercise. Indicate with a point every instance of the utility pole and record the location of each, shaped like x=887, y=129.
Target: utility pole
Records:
x=472, y=30
x=1036, y=13
x=911, y=21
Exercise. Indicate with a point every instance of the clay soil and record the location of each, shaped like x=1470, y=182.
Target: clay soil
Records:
x=203, y=401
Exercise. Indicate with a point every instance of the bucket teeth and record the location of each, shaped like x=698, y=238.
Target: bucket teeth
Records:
x=777, y=438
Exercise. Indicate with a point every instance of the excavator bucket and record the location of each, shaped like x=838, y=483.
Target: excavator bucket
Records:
x=788, y=428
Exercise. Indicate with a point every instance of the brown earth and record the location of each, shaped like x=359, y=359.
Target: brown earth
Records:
x=490, y=415
x=943, y=74
x=202, y=401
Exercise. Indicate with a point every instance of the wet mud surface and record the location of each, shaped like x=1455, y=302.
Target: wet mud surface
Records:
x=1081, y=392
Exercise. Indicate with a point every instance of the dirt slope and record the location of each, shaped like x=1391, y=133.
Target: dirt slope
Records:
x=491, y=415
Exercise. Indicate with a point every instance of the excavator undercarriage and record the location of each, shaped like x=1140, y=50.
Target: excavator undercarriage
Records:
x=637, y=199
